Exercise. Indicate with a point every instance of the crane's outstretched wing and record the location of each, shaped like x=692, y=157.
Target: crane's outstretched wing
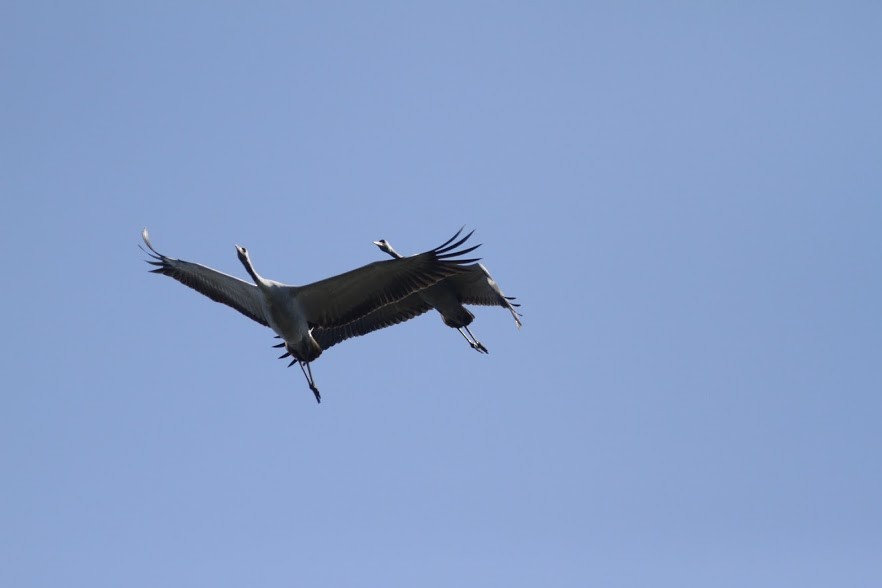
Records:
x=341, y=299
x=391, y=314
x=218, y=286
x=477, y=287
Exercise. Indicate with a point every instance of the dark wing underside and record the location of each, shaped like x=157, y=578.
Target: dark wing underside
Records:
x=344, y=298
x=218, y=286
x=392, y=314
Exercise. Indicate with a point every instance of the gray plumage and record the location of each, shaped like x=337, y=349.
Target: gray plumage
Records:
x=473, y=286
x=298, y=313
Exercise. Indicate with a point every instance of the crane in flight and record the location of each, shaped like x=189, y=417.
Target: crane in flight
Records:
x=313, y=317
x=473, y=286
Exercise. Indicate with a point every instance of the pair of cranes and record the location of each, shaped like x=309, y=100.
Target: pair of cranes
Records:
x=311, y=318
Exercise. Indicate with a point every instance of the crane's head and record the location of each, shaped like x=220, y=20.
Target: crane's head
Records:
x=243, y=255
x=383, y=245
x=386, y=247
x=246, y=261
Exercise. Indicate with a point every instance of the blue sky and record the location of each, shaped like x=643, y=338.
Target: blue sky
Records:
x=684, y=196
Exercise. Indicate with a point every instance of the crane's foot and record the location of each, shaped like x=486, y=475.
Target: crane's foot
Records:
x=318, y=396
x=479, y=347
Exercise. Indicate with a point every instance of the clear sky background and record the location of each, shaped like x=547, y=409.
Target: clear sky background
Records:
x=686, y=198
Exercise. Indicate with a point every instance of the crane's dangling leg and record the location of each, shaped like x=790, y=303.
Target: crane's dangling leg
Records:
x=475, y=344
x=307, y=373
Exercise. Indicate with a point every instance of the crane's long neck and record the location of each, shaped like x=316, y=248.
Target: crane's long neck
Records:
x=392, y=252
x=246, y=261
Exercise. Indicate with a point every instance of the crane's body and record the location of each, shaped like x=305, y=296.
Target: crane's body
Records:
x=448, y=296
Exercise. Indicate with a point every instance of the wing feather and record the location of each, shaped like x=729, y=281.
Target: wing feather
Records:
x=477, y=287
x=218, y=286
x=386, y=316
x=344, y=298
